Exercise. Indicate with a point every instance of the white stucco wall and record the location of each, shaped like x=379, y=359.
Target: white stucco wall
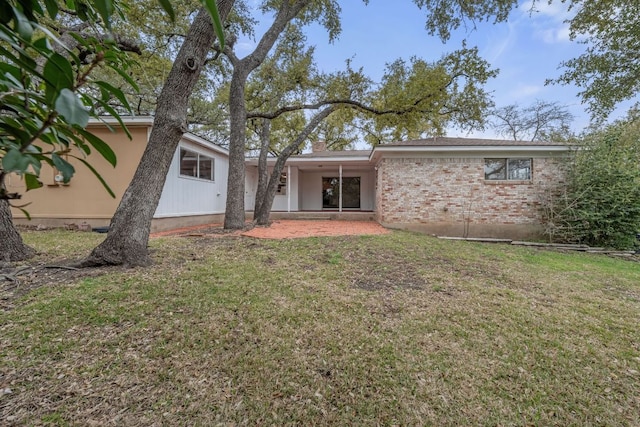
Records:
x=250, y=187
x=281, y=201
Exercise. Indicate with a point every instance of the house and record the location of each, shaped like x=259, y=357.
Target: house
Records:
x=323, y=181
x=194, y=193
x=446, y=186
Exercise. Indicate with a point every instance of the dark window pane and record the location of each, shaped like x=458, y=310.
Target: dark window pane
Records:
x=350, y=192
x=520, y=169
x=206, y=168
x=495, y=169
x=188, y=163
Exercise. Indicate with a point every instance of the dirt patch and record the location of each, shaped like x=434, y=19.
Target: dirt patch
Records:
x=19, y=280
x=377, y=270
x=284, y=229
x=292, y=229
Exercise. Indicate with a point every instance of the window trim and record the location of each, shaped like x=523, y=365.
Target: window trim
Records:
x=506, y=165
x=199, y=156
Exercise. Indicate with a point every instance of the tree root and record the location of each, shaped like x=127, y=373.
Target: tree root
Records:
x=12, y=276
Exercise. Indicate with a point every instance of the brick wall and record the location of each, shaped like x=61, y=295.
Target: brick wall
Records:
x=453, y=192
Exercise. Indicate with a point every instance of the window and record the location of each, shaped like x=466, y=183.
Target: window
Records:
x=507, y=169
x=282, y=184
x=350, y=192
x=196, y=165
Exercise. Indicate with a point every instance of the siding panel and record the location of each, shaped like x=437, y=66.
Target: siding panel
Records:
x=182, y=196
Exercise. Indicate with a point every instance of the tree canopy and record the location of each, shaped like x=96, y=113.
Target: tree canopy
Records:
x=609, y=71
x=50, y=88
x=600, y=204
x=540, y=121
x=427, y=96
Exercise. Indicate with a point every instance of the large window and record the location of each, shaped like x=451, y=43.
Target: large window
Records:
x=350, y=192
x=196, y=165
x=507, y=169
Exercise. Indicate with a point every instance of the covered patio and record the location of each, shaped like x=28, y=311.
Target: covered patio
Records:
x=320, y=184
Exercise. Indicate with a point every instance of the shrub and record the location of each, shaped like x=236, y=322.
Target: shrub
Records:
x=600, y=204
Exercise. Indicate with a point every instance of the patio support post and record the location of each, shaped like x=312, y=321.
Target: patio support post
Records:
x=288, y=188
x=340, y=192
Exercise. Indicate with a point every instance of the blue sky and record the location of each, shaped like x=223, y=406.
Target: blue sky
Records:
x=528, y=49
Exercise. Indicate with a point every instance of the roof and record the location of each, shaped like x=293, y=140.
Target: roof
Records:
x=444, y=141
x=129, y=121
x=319, y=159
x=437, y=146
x=447, y=146
x=147, y=121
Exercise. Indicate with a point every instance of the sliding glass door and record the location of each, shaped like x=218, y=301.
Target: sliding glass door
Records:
x=350, y=192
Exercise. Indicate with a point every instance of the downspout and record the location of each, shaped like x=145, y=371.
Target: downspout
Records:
x=288, y=188
x=340, y=192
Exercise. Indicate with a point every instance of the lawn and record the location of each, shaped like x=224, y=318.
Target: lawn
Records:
x=400, y=329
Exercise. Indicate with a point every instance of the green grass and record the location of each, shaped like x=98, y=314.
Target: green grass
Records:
x=400, y=329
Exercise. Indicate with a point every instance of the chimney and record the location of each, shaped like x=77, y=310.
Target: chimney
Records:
x=318, y=146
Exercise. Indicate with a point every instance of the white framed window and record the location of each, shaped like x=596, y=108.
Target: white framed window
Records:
x=507, y=169
x=196, y=165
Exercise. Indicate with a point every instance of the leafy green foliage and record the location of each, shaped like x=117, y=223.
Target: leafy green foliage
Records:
x=414, y=99
x=609, y=70
x=48, y=83
x=46, y=88
x=448, y=15
x=601, y=203
x=422, y=99
x=158, y=36
x=215, y=16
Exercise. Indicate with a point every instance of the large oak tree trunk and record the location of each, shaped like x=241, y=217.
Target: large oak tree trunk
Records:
x=128, y=236
x=263, y=206
x=263, y=173
x=12, y=248
x=235, y=214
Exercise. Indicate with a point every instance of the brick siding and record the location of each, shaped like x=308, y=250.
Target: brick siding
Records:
x=453, y=190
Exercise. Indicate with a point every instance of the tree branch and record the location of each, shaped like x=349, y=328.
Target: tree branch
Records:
x=345, y=102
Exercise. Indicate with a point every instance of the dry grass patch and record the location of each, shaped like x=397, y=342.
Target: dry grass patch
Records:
x=400, y=329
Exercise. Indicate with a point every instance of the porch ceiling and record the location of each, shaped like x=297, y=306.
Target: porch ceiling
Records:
x=324, y=164
x=320, y=166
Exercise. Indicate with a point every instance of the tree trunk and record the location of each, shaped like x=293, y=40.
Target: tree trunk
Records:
x=263, y=176
x=12, y=248
x=234, y=214
x=262, y=216
x=128, y=236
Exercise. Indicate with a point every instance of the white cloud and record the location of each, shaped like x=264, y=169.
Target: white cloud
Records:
x=549, y=22
x=558, y=34
x=245, y=46
x=556, y=11
x=524, y=91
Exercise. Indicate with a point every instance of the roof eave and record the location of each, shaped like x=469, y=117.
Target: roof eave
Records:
x=377, y=152
x=132, y=121
x=204, y=143
x=311, y=160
